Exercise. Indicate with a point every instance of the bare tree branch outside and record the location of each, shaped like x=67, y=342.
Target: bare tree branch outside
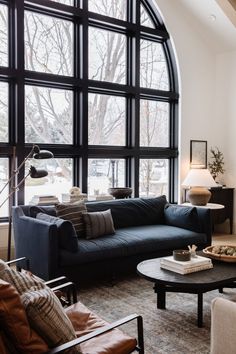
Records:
x=49, y=111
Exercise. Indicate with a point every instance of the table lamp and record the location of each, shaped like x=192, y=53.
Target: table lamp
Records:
x=198, y=181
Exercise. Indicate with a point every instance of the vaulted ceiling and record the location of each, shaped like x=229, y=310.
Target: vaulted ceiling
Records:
x=214, y=20
x=229, y=8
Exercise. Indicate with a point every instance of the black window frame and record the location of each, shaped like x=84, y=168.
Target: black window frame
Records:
x=17, y=77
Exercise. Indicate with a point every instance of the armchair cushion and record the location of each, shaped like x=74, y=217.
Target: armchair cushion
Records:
x=181, y=216
x=44, y=310
x=67, y=235
x=15, y=323
x=85, y=321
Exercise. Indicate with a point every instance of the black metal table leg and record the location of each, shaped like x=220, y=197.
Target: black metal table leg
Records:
x=200, y=310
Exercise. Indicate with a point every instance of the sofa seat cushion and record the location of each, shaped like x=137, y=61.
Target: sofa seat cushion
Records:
x=85, y=321
x=131, y=241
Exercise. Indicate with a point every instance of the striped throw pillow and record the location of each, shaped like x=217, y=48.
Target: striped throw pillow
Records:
x=74, y=213
x=98, y=224
x=44, y=310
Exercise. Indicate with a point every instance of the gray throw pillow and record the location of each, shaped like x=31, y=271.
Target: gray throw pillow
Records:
x=98, y=224
x=66, y=231
x=74, y=213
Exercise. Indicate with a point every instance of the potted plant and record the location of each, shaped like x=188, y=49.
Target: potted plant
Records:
x=217, y=163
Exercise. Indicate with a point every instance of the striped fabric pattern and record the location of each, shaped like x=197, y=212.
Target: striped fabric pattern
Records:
x=74, y=213
x=47, y=317
x=98, y=224
x=44, y=310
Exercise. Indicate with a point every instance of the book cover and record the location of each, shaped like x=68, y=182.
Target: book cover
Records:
x=189, y=270
x=195, y=261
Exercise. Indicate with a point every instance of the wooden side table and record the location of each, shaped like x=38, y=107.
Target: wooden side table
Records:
x=212, y=206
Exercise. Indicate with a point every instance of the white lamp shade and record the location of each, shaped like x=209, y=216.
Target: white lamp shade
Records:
x=199, y=178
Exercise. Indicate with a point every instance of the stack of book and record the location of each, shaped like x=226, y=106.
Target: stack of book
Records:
x=194, y=265
x=44, y=200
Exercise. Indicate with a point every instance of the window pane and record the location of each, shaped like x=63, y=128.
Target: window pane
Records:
x=106, y=120
x=153, y=68
x=110, y=8
x=48, y=115
x=66, y=2
x=154, y=123
x=3, y=36
x=3, y=112
x=104, y=174
x=107, y=56
x=57, y=182
x=3, y=179
x=48, y=44
x=153, y=177
x=145, y=18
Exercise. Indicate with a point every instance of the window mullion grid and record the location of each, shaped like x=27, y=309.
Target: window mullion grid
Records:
x=83, y=113
x=20, y=95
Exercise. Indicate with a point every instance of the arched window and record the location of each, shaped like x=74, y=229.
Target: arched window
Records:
x=95, y=82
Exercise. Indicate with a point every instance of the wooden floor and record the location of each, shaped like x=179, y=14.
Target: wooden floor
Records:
x=224, y=239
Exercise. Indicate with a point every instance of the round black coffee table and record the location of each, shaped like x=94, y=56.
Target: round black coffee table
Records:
x=221, y=275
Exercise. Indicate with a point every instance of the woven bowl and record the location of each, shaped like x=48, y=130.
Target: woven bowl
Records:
x=220, y=257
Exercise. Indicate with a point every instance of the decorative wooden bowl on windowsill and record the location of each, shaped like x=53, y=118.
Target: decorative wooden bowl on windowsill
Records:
x=120, y=192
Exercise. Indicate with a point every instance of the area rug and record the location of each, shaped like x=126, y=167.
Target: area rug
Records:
x=173, y=330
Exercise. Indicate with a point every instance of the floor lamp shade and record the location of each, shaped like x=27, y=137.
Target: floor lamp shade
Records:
x=199, y=181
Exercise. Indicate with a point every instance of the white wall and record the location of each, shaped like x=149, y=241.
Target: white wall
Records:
x=226, y=101
x=207, y=89
x=197, y=72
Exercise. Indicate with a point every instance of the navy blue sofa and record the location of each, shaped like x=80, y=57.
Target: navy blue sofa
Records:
x=145, y=228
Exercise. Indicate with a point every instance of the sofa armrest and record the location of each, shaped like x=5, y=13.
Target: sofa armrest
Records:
x=37, y=241
x=223, y=317
x=191, y=218
x=205, y=223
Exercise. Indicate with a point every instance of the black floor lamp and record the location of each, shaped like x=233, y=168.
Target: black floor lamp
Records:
x=35, y=153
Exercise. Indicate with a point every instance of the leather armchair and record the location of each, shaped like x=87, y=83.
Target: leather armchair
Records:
x=94, y=335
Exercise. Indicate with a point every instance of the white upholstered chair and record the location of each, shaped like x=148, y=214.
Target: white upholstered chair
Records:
x=223, y=326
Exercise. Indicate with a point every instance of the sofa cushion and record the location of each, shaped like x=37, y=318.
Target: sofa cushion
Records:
x=131, y=241
x=133, y=211
x=15, y=323
x=43, y=308
x=182, y=216
x=98, y=223
x=35, y=209
x=66, y=231
x=74, y=213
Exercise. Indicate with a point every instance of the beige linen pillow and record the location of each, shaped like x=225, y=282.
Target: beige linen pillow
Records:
x=98, y=223
x=74, y=213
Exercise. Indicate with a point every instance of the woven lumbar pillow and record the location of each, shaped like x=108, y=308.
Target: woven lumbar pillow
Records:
x=98, y=224
x=74, y=213
x=44, y=310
